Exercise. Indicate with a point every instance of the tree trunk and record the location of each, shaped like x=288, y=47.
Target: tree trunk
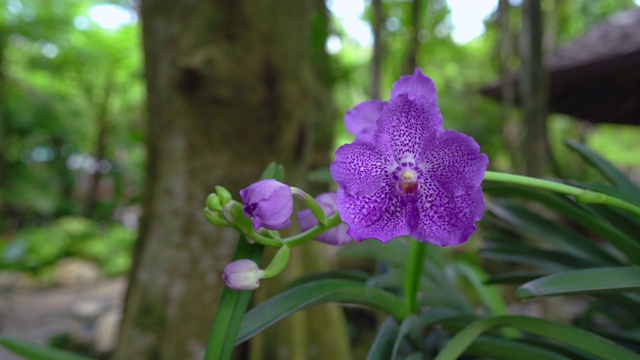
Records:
x=232, y=85
x=533, y=91
x=103, y=126
x=376, y=61
x=414, y=43
x=512, y=129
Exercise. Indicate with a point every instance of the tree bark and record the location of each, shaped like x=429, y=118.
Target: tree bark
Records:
x=414, y=43
x=533, y=91
x=232, y=85
x=103, y=126
x=376, y=61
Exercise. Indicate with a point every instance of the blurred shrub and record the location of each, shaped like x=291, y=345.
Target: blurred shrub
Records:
x=36, y=249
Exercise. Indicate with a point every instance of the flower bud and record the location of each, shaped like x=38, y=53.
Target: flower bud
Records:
x=242, y=274
x=224, y=195
x=269, y=203
x=213, y=202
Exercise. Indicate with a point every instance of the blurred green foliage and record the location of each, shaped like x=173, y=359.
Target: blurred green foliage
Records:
x=36, y=250
x=67, y=84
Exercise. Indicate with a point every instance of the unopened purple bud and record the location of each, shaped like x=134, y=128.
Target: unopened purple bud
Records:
x=269, y=203
x=242, y=275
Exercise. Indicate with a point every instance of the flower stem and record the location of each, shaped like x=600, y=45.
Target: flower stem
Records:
x=581, y=195
x=412, y=274
x=301, y=238
x=263, y=240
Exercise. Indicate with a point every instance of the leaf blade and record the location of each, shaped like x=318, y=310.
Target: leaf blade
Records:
x=583, y=281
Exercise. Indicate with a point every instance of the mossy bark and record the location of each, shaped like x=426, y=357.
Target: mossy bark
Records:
x=232, y=85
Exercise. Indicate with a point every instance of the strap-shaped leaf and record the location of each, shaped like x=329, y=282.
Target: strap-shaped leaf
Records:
x=580, y=213
x=615, y=176
x=518, y=277
x=489, y=296
x=578, y=338
x=316, y=293
x=501, y=349
x=543, y=259
x=36, y=352
x=394, y=252
x=410, y=327
x=353, y=275
x=531, y=224
x=382, y=346
x=584, y=281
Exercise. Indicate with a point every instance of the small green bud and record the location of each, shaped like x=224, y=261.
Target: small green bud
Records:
x=213, y=203
x=215, y=218
x=224, y=195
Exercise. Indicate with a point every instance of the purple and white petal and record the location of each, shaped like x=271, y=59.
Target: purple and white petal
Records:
x=445, y=220
x=454, y=161
x=406, y=127
x=415, y=85
x=360, y=168
x=361, y=120
x=380, y=216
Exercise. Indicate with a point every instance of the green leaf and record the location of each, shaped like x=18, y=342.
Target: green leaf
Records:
x=37, y=352
x=585, y=281
x=531, y=224
x=394, y=252
x=382, y=347
x=489, y=296
x=570, y=335
x=580, y=213
x=544, y=259
x=496, y=348
x=615, y=176
x=353, y=275
x=514, y=277
x=316, y=293
x=435, y=315
x=410, y=327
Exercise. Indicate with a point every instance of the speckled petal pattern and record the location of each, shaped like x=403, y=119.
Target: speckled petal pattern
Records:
x=407, y=126
x=409, y=176
x=360, y=168
x=454, y=160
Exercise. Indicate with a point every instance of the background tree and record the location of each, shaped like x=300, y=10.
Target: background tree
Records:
x=533, y=91
x=231, y=86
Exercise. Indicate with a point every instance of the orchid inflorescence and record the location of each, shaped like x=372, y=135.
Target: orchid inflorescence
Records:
x=403, y=175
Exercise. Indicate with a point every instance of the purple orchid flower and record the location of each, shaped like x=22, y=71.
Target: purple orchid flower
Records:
x=335, y=236
x=269, y=203
x=405, y=175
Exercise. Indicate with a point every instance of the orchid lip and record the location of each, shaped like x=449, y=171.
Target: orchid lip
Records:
x=408, y=182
